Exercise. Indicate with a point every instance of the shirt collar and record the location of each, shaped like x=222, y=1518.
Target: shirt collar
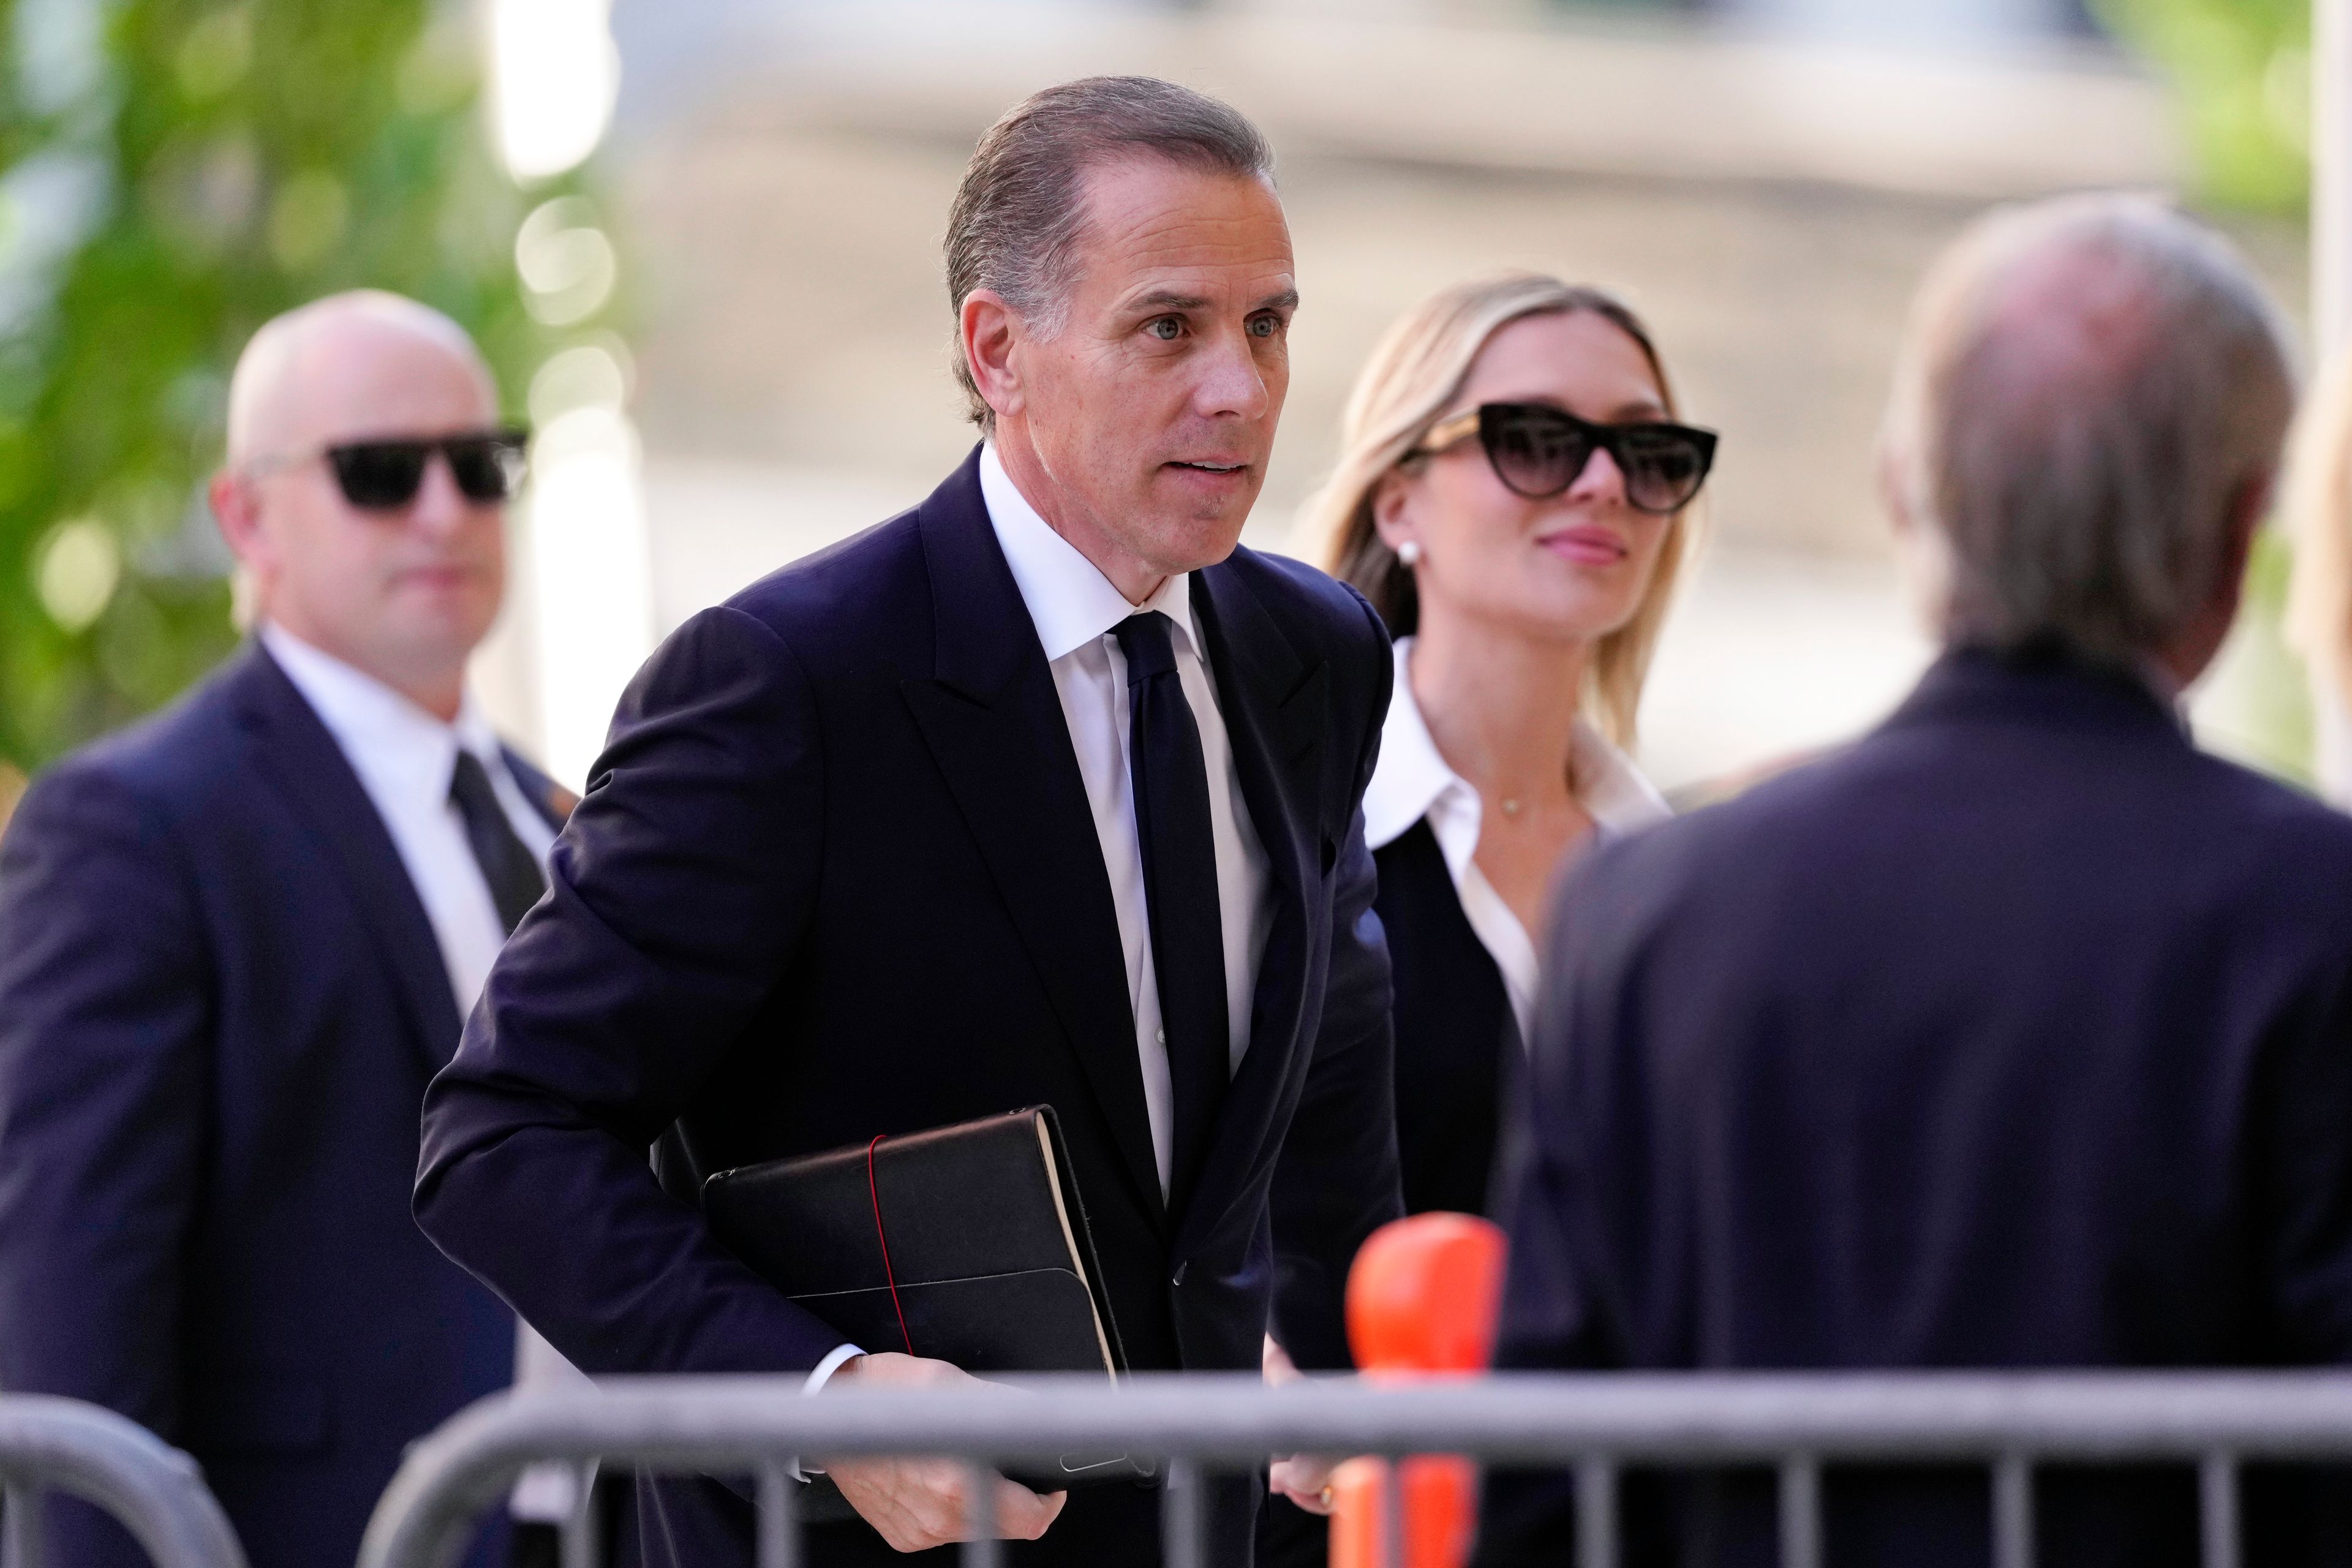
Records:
x=1069, y=598
x=1411, y=777
x=385, y=736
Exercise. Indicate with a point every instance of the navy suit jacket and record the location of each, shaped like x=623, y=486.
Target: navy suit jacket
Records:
x=836, y=876
x=220, y=1003
x=2017, y=1035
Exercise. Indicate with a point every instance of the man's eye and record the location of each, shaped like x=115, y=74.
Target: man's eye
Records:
x=1167, y=329
x=1263, y=326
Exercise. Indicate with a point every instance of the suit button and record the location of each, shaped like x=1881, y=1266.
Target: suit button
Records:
x=1178, y=1277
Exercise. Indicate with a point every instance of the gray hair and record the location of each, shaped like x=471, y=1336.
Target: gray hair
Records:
x=2087, y=387
x=1017, y=218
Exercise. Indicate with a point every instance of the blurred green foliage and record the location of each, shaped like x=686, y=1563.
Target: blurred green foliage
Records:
x=177, y=172
x=2243, y=71
x=2255, y=705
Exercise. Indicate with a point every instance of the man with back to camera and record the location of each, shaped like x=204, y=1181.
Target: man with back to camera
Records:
x=863, y=857
x=235, y=941
x=2019, y=1033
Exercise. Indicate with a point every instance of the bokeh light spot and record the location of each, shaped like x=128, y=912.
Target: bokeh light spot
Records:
x=567, y=264
x=556, y=72
x=80, y=566
x=213, y=56
x=587, y=376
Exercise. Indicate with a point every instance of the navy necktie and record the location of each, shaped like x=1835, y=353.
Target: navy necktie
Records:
x=1180, y=887
x=510, y=868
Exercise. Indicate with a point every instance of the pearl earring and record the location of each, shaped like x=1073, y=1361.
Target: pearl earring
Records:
x=1410, y=551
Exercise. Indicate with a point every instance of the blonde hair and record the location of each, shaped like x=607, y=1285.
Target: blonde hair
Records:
x=1414, y=374
x=2316, y=500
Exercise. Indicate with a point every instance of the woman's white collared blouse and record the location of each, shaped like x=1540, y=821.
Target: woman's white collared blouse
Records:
x=1411, y=781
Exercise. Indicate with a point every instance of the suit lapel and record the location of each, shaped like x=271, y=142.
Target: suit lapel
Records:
x=553, y=803
x=1274, y=706
x=295, y=752
x=993, y=721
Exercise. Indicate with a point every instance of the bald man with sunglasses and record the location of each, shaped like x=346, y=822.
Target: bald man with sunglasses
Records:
x=235, y=941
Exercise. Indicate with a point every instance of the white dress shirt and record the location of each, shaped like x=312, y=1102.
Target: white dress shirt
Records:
x=1411, y=781
x=1075, y=608
x=404, y=758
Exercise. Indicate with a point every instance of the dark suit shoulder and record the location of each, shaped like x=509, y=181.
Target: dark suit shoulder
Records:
x=2223, y=842
x=841, y=595
x=178, y=762
x=1327, y=622
x=1763, y=820
x=1312, y=607
x=2286, y=842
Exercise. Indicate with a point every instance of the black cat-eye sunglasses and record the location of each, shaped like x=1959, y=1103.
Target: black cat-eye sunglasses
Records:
x=1538, y=450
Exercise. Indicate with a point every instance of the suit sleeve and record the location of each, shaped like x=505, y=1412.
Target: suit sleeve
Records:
x=105, y=1041
x=678, y=896
x=1553, y=1315
x=1336, y=1179
x=2303, y=1111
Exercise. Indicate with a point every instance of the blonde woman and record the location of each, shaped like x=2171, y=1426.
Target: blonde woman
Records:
x=1511, y=497
x=2317, y=496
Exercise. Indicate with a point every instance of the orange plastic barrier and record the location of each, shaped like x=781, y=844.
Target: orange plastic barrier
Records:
x=1441, y=1511
x=1422, y=1302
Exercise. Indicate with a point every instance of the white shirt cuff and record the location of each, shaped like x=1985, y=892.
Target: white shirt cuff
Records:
x=817, y=1379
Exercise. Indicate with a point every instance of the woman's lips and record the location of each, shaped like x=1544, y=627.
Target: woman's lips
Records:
x=1585, y=546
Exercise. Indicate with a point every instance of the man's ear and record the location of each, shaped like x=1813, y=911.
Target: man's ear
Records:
x=1893, y=494
x=990, y=331
x=1923, y=557
x=2201, y=642
x=2250, y=503
x=234, y=510
x=2248, y=508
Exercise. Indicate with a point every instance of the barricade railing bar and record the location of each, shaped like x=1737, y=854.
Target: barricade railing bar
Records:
x=1596, y=1424
x=49, y=1445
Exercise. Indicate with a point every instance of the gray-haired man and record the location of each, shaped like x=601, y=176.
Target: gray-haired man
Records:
x=2019, y=1033
x=1042, y=793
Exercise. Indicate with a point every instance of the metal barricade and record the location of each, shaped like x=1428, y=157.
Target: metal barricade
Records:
x=155, y=1491
x=1594, y=1425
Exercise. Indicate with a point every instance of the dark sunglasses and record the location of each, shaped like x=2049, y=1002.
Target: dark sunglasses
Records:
x=1538, y=450
x=384, y=476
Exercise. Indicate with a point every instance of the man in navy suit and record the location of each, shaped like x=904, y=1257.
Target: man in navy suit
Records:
x=1042, y=791
x=2018, y=1034
x=235, y=941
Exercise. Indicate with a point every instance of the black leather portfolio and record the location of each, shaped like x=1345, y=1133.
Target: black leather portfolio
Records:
x=966, y=1244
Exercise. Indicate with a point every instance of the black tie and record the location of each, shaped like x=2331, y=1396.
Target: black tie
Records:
x=1180, y=887
x=510, y=870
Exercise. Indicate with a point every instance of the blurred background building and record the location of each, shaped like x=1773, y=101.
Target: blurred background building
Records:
x=732, y=333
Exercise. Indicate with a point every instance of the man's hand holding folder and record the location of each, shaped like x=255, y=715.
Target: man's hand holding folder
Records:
x=921, y=1503
x=969, y=1242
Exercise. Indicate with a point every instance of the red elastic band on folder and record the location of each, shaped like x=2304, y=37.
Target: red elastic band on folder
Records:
x=887, y=1273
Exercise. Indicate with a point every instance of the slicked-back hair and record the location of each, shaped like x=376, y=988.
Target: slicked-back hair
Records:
x=2088, y=387
x=1020, y=213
